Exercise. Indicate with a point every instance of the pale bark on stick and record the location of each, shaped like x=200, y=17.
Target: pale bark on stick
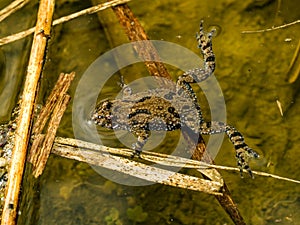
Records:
x=97, y=155
x=117, y=159
x=37, y=142
x=34, y=69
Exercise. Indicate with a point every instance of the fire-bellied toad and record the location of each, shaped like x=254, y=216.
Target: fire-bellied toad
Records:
x=170, y=109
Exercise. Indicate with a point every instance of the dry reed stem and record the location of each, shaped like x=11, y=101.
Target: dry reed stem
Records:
x=225, y=199
x=137, y=34
x=11, y=8
x=34, y=69
x=91, y=10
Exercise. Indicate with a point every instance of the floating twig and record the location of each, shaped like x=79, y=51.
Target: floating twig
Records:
x=270, y=29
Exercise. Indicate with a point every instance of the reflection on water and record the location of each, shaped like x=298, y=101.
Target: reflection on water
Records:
x=251, y=70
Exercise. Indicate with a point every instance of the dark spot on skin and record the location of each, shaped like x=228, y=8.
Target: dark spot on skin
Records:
x=108, y=105
x=235, y=133
x=238, y=154
x=134, y=122
x=210, y=58
x=171, y=109
x=138, y=111
x=130, y=115
x=146, y=111
x=176, y=115
x=173, y=112
x=144, y=99
x=208, y=124
x=243, y=145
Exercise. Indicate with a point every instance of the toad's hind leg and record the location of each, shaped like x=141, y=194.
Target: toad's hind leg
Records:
x=243, y=152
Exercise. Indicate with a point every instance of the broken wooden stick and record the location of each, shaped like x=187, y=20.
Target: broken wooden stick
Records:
x=54, y=109
x=42, y=151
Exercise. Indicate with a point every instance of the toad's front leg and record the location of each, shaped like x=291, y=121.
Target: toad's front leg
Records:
x=142, y=135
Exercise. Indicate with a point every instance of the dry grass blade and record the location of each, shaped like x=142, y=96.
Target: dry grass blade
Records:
x=270, y=29
x=94, y=9
x=11, y=8
x=294, y=68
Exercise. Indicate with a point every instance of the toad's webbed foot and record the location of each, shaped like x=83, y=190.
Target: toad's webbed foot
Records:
x=243, y=152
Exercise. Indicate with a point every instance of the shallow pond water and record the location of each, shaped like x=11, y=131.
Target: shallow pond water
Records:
x=251, y=71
